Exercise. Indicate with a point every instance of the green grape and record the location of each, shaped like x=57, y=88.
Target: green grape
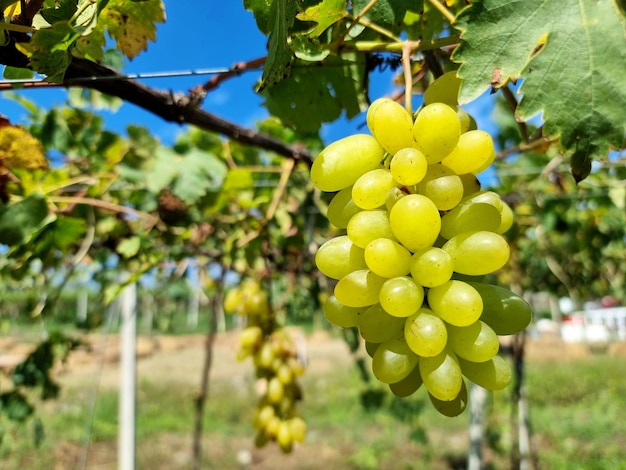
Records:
x=471, y=185
x=470, y=217
x=265, y=356
x=453, y=407
x=408, y=385
x=425, y=333
x=370, y=348
x=456, y=302
x=408, y=166
x=370, y=190
x=442, y=186
x=284, y=437
x=387, y=258
x=494, y=374
x=415, y=221
x=393, y=361
x=377, y=326
x=401, y=296
x=250, y=336
x=487, y=197
x=445, y=89
x=476, y=342
x=505, y=312
x=341, y=163
x=391, y=124
x=366, y=226
x=298, y=428
x=393, y=196
x=285, y=374
x=467, y=122
x=359, y=288
x=263, y=416
x=506, y=218
x=341, y=208
x=338, y=257
x=340, y=315
x=431, y=267
x=473, y=153
x=275, y=390
x=477, y=253
x=436, y=131
x=442, y=375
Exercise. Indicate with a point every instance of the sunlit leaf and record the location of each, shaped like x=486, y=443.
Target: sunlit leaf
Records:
x=19, y=149
x=19, y=221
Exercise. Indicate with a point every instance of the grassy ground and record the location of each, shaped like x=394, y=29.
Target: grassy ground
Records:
x=577, y=406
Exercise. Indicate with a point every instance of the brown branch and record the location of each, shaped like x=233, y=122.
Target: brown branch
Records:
x=512, y=102
x=29, y=9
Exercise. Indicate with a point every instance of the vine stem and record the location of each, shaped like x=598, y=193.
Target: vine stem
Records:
x=443, y=10
x=408, y=76
x=152, y=220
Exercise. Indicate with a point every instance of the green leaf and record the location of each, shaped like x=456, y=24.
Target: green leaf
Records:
x=279, y=56
x=20, y=221
x=329, y=90
x=571, y=56
x=48, y=50
x=197, y=172
x=15, y=406
x=17, y=73
x=386, y=13
x=261, y=11
x=325, y=14
x=129, y=247
x=61, y=11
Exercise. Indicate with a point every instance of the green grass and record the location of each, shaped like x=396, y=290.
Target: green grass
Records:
x=576, y=411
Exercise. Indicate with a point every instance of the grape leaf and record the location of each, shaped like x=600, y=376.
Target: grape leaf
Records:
x=325, y=14
x=131, y=24
x=48, y=50
x=20, y=221
x=571, y=56
x=386, y=13
x=329, y=90
x=278, y=64
x=261, y=11
x=19, y=149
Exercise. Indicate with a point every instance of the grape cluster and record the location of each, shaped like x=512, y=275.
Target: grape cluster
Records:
x=420, y=235
x=276, y=365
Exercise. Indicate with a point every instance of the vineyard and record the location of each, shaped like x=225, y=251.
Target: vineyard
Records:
x=415, y=253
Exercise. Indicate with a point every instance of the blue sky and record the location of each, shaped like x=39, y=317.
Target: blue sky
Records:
x=200, y=35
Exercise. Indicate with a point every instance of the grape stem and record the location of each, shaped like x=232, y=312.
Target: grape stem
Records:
x=381, y=46
x=443, y=10
x=408, y=76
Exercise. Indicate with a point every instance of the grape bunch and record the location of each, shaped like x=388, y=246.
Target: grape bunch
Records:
x=417, y=236
x=276, y=364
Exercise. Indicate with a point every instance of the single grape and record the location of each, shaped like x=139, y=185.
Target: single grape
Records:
x=340, y=315
x=425, y=333
x=442, y=375
x=471, y=185
x=393, y=361
x=370, y=190
x=431, y=267
x=494, y=374
x=456, y=302
x=338, y=257
x=366, y=226
x=408, y=385
x=415, y=221
x=408, y=166
x=250, y=336
x=473, y=153
x=505, y=312
x=476, y=342
x=370, y=348
x=393, y=196
x=436, y=131
x=284, y=437
x=470, y=217
x=444, y=89
x=401, y=296
x=391, y=124
x=506, y=218
x=442, y=186
x=468, y=123
x=341, y=163
x=377, y=326
x=478, y=253
x=453, y=407
x=275, y=390
x=487, y=197
x=341, y=208
x=359, y=288
x=387, y=258
x=298, y=428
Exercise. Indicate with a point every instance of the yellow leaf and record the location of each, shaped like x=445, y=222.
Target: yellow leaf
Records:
x=13, y=9
x=19, y=149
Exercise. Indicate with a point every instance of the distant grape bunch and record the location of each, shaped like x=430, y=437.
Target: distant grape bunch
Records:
x=420, y=236
x=276, y=364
